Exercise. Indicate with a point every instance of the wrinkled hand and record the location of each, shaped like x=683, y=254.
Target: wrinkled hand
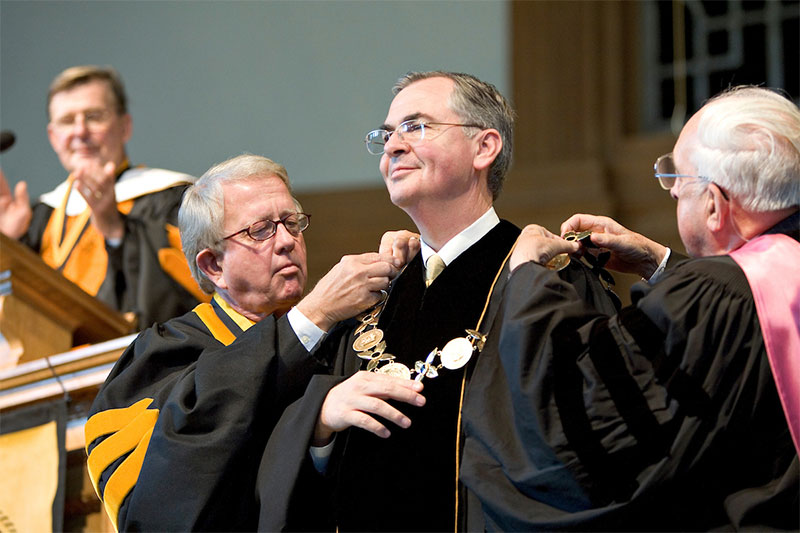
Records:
x=351, y=286
x=353, y=402
x=401, y=244
x=95, y=182
x=537, y=244
x=15, y=210
x=631, y=252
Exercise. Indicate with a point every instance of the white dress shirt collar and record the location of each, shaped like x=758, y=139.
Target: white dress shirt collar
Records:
x=461, y=242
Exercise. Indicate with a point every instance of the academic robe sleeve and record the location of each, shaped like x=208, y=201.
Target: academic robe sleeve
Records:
x=147, y=273
x=292, y=495
x=33, y=236
x=177, y=432
x=664, y=415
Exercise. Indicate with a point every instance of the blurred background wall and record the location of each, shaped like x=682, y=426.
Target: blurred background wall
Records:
x=601, y=89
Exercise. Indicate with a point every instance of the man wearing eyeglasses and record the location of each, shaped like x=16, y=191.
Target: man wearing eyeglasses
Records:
x=176, y=433
x=110, y=228
x=444, y=147
x=682, y=411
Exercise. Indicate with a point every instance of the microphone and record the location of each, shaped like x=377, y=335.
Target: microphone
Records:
x=6, y=140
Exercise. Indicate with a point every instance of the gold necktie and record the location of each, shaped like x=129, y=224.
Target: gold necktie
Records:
x=433, y=268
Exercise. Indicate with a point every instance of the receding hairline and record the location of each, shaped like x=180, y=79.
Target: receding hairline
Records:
x=78, y=76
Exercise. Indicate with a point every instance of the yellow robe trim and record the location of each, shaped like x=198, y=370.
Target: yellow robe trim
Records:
x=241, y=321
x=60, y=249
x=173, y=262
x=119, y=443
x=112, y=420
x=124, y=478
x=217, y=328
x=81, y=255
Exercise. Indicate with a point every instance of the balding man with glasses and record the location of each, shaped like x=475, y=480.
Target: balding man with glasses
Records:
x=445, y=148
x=176, y=433
x=682, y=411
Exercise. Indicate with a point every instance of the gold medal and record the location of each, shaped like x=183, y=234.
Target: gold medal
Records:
x=456, y=353
x=398, y=370
x=375, y=352
x=367, y=340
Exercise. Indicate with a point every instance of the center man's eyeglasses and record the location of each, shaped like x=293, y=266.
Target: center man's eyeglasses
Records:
x=410, y=131
x=261, y=230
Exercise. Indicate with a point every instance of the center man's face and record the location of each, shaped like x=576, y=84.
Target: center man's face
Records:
x=261, y=276
x=431, y=169
x=85, y=126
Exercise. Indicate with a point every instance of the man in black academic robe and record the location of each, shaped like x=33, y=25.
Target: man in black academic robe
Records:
x=675, y=413
x=109, y=228
x=443, y=163
x=176, y=433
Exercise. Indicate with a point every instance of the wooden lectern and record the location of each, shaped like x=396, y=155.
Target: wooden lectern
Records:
x=45, y=321
x=43, y=313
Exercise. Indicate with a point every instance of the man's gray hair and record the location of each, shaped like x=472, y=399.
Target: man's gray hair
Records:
x=748, y=142
x=477, y=102
x=202, y=213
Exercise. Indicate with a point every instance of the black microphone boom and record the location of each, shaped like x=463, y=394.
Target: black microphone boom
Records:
x=6, y=140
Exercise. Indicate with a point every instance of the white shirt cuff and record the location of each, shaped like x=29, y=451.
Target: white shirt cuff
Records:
x=307, y=332
x=660, y=270
x=320, y=455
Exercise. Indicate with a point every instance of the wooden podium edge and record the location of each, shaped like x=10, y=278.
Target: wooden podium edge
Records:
x=77, y=369
x=25, y=275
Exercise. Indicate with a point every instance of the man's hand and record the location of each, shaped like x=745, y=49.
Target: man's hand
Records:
x=15, y=210
x=537, y=244
x=351, y=286
x=354, y=401
x=630, y=252
x=95, y=182
x=401, y=244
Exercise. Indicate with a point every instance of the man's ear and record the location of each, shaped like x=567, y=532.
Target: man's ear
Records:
x=210, y=263
x=489, y=146
x=716, y=208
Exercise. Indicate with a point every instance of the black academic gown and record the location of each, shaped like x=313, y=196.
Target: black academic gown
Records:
x=408, y=481
x=662, y=417
x=177, y=431
x=135, y=280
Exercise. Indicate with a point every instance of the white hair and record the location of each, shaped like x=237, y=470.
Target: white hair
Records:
x=749, y=144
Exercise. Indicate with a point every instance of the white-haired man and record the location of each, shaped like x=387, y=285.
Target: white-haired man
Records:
x=681, y=412
x=176, y=433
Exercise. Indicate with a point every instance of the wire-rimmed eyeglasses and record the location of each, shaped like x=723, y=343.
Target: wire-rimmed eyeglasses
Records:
x=665, y=171
x=261, y=230
x=410, y=131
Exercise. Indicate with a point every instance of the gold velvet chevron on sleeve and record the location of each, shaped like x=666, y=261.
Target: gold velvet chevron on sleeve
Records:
x=128, y=431
x=215, y=325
